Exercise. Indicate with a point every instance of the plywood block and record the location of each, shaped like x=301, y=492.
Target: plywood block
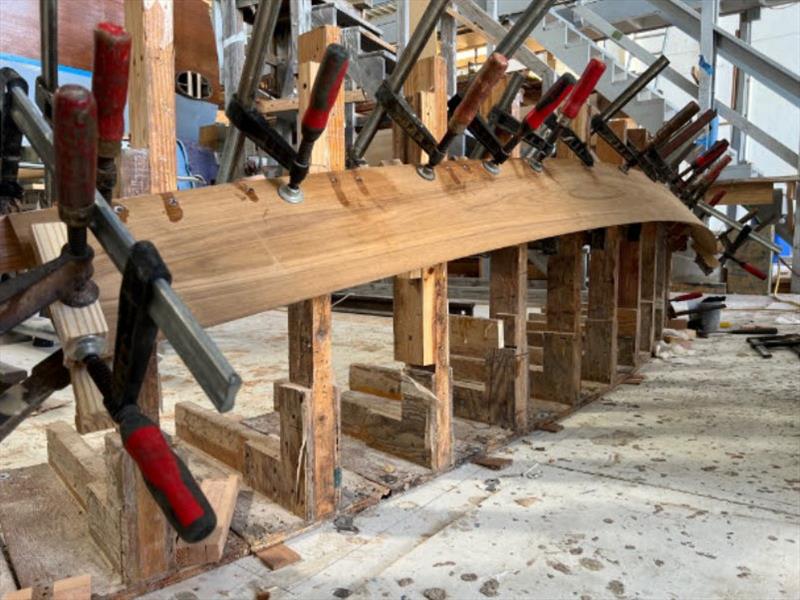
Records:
x=73, y=459
x=474, y=336
x=221, y=494
x=71, y=324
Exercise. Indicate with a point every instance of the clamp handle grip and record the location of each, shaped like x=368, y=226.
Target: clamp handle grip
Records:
x=551, y=100
x=754, y=271
x=709, y=156
x=326, y=87
x=488, y=76
x=169, y=480
x=75, y=149
x=717, y=198
x=674, y=124
x=585, y=86
x=112, y=55
x=715, y=172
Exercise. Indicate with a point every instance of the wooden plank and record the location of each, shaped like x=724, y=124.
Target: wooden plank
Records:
x=469, y=401
x=73, y=459
x=13, y=255
x=663, y=258
x=365, y=225
x=71, y=324
x=215, y=434
x=743, y=192
x=104, y=516
x=561, y=368
x=72, y=588
x=475, y=336
x=221, y=494
x=599, y=361
x=604, y=151
x=413, y=318
x=276, y=105
x=468, y=368
x=385, y=382
x=151, y=94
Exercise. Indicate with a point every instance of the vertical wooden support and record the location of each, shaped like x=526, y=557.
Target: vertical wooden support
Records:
x=148, y=548
x=310, y=320
x=561, y=361
x=508, y=297
x=151, y=95
x=630, y=275
x=421, y=308
x=661, y=296
x=647, y=290
x=600, y=356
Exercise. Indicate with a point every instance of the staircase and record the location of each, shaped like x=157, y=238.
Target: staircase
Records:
x=560, y=37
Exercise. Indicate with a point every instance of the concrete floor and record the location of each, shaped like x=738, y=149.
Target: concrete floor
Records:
x=686, y=486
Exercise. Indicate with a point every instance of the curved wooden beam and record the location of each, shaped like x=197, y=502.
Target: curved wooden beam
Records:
x=238, y=249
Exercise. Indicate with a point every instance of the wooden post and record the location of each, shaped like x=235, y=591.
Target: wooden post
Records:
x=310, y=320
x=630, y=274
x=647, y=291
x=508, y=297
x=421, y=308
x=662, y=256
x=148, y=548
x=600, y=357
x=561, y=361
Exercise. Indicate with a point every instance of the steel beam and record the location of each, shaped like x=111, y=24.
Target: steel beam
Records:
x=773, y=75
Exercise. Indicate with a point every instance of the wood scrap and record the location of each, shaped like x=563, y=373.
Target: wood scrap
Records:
x=495, y=463
x=277, y=557
x=550, y=426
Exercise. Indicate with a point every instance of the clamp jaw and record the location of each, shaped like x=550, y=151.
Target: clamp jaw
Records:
x=323, y=96
x=10, y=143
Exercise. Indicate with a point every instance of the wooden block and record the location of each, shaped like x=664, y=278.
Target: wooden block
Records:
x=628, y=321
x=495, y=463
x=221, y=494
x=75, y=462
x=378, y=381
x=628, y=300
x=604, y=151
x=743, y=192
x=73, y=588
x=277, y=557
x=647, y=289
x=564, y=285
x=535, y=355
x=71, y=324
x=469, y=401
x=414, y=319
x=599, y=362
x=474, y=336
x=215, y=434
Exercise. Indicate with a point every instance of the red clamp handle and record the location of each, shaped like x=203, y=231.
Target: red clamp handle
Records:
x=326, y=88
x=754, y=271
x=717, y=198
x=709, y=156
x=550, y=101
x=714, y=173
x=75, y=148
x=112, y=54
x=488, y=76
x=687, y=296
x=169, y=480
x=585, y=86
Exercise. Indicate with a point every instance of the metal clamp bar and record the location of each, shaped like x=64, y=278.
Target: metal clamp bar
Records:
x=200, y=354
x=713, y=212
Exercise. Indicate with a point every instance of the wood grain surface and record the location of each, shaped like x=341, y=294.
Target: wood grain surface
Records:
x=237, y=249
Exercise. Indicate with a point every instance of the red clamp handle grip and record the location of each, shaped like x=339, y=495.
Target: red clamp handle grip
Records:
x=754, y=271
x=709, y=156
x=75, y=148
x=717, y=198
x=169, y=480
x=550, y=101
x=714, y=173
x=687, y=296
x=326, y=88
x=112, y=55
x=491, y=72
x=585, y=86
